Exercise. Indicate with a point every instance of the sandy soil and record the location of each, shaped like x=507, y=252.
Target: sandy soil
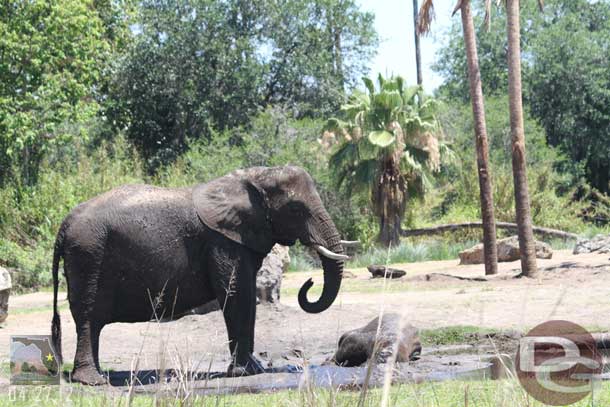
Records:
x=433, y=294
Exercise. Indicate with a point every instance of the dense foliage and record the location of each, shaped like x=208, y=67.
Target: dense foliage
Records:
x=196, y=67
x=566, y=78
x=54, y=62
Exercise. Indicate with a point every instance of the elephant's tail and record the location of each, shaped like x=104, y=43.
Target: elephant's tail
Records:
x=56, y=324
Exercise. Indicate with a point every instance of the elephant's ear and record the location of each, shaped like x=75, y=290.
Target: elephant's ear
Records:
x=235, y=207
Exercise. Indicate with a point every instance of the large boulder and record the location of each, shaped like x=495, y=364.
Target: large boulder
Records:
x=508, y=250
x=269, y=278
x=5, y=291
x=599, y=244
x=395, y=335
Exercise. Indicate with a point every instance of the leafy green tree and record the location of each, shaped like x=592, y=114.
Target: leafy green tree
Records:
x=551, y=202
x=197, y=67
x=390, y=150
x=570, y=84
x=52, y=65
x=565, y=78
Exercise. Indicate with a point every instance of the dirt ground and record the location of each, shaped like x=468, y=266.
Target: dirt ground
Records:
x=432, y=295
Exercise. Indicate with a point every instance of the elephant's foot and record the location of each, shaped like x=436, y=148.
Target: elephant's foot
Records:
x=88, y=375
x=246, y=367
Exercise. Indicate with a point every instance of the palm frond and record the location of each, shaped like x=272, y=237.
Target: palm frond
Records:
x=381, y=138
x=369, y=85
x=364, y=175
x=409, y=163
x=346, y=154
x=367, y=150
x=335, y=125
x=425, y=17
x=380, y=81
x=388, y=100
x=457, y=7
x=410, y=93
x=447, y=153
x=400, y=84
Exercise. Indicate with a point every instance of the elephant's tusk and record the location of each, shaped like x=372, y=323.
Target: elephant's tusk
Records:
x=350, y=242
x=331, y=255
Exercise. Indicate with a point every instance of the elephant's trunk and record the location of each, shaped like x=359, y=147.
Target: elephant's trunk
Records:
x=324, y=233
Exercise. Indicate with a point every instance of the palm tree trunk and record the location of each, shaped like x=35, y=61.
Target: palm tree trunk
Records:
x=389, y=201
x=390, y=195
x=522, y=205
x=490, y=248
x=417, y=47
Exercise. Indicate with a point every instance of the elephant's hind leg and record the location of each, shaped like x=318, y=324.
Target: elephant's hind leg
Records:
x=86, y=365
x=89, y=311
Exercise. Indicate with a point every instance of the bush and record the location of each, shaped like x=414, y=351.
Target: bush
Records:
x=457, y=198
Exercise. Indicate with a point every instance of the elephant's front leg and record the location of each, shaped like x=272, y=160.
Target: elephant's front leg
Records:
x=233, y=273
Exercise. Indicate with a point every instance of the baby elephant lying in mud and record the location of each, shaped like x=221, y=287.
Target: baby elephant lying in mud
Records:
x=359, y=345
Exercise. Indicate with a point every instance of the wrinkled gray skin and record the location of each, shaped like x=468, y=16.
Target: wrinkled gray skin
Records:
x=139, y=245
x=359, y=345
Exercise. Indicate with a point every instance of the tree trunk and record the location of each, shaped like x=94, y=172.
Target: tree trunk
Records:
x=389, y=202
x=390, y=193
x=335, y=33
x=522, y=205
x=478, y=112
x=417, y=47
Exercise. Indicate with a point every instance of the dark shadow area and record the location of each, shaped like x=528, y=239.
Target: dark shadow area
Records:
x=146, y=377
x=443, y=276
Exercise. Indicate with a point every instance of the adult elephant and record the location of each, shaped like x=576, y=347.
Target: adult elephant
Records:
x=140, y=251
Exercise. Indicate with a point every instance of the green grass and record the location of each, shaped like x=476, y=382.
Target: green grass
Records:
x=450, y=335
x=410, y=253
x=33, y=310
x=502, y=393
x=407, y=252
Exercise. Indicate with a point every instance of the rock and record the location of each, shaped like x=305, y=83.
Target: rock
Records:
x=599, y=244
x=508, y=250
x=383, y=271
x=5, y=291
x=269, y=278
x=351, y=249
x=356, y=347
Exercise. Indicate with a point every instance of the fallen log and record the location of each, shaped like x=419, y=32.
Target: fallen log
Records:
x=547, y=232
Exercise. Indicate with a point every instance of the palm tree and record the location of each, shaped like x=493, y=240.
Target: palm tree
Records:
x=391, y=148
x=527, y=246
x=416, y=33
x=480, y=130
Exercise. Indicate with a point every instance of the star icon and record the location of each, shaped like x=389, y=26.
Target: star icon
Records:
x=50, y=357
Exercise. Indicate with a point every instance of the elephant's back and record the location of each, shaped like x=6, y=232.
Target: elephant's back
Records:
x=137, y=209
x=135, y=197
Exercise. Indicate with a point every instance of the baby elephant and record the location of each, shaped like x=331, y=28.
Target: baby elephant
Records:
x=359, y=345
